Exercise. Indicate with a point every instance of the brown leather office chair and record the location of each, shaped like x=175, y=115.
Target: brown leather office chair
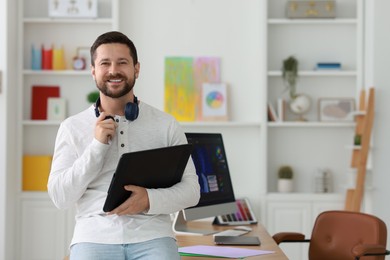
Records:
x=343, y=235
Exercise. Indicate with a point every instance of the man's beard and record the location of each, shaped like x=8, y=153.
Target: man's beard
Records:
x=125, y=90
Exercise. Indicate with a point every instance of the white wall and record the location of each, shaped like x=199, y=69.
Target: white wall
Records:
x=381, y=80
x=8, y=25
x=2, y=129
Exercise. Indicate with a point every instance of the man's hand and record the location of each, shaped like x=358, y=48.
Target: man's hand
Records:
x=105, y=128
x=138, y=202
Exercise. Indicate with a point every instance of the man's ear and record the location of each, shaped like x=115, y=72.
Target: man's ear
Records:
x=93, y=72
x=137, y=68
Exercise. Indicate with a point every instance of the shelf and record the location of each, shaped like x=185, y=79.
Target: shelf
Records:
x=41, y=123
x=324, y=73
x=311, y=124
x=338, y=21
x=221, y=124
x=45, y=20
x=294, y=196
x=57, y=72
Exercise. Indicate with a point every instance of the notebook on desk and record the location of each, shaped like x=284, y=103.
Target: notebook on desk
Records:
x=155, y=168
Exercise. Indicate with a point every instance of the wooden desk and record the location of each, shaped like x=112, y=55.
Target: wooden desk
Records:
x=267, y=243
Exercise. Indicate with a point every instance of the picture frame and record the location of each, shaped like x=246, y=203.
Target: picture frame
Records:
x=56, y=109
x=71, y=9
x=336, y=109
x=214, y=102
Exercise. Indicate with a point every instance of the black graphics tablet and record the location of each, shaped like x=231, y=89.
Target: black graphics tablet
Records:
x=155, y=168
x=237, y=240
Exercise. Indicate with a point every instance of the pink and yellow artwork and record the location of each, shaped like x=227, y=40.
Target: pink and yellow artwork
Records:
x=184, y=77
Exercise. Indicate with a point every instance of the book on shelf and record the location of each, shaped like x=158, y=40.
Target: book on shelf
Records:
x=328, y=66
x=39, y=100
x=272, y=116
x=281, y=109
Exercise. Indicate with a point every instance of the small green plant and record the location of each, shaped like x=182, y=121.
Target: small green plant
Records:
x=285, y=172
x=357, y=140
x=93, y=96
x=290, y=75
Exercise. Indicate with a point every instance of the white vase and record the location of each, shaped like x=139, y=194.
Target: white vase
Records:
x=285, y=185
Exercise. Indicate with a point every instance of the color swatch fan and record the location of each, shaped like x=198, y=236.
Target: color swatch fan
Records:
x=214, y=101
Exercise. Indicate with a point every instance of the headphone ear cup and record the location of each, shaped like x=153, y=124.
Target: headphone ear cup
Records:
x=131, y=111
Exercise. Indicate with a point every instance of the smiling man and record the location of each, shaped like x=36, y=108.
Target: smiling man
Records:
x=87, y=149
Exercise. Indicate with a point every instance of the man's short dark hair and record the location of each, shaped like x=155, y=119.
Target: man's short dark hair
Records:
x=113, y=37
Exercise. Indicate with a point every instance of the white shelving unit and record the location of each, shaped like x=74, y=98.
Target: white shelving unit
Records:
x=256, y=148
x=39, y=219
x=311, y=41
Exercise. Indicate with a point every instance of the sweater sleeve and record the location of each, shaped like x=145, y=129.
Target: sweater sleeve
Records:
x=71, y=173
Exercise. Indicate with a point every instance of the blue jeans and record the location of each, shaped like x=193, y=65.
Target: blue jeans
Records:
x=161, y=248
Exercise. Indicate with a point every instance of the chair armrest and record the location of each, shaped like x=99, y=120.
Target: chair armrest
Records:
x=289, y=237
x=365, y=249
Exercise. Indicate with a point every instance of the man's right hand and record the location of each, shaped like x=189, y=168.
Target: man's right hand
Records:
x=105, y=128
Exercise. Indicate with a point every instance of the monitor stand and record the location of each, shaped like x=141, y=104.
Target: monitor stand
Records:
x=180, y=226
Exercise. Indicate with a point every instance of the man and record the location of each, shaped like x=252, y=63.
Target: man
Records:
x=87, y=150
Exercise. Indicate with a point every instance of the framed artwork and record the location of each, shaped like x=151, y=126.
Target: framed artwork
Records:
x=73, y=8
x=336, y=109
x=56, y=109
x=214, y=102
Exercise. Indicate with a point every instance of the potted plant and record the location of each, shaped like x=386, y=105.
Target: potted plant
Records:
x=92, y=96
x=299, y=103
x=285, y=181
x=290, y=75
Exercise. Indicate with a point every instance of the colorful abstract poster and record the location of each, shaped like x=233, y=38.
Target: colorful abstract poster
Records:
x=184, y=77
x=180, y=88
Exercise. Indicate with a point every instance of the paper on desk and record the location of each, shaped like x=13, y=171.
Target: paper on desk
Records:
x=221, y=251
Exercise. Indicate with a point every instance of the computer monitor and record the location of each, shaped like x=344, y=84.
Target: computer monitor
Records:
x=217, y=195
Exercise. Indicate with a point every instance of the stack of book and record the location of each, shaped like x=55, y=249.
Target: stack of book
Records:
x=328, y=66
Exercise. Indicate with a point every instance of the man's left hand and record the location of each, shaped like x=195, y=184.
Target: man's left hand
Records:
x=138, y=202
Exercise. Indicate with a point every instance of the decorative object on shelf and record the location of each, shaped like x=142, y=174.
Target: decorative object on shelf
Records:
x=214, y=102
x=56, y=109
x=58, y=59
x=323, y=181
x=272, y=116
x=93, y=96
x=281, y=109
x=336, y=109
x=290, y=75
x=73, y=8
x=357, y=139
x=36, y=58
x=47, y=57
x=40, y=96
x=83, y=57
x=300, y=105
x=285, y=181
x=311, y=9
x=79, y=63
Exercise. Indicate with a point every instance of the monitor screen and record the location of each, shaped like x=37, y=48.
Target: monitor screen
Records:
x=217, y=195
